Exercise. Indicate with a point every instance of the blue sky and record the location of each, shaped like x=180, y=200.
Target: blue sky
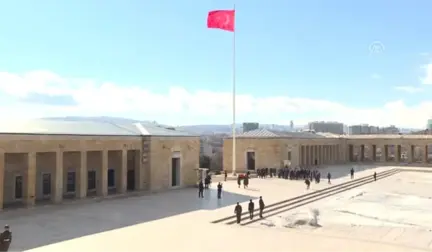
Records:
x=300, y=60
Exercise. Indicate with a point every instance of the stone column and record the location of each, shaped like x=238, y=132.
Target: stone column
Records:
x=350, y=153
x=319, y=155
x=303, y=155
x=58, y=178
x=410, y=153
x=334, y=154
x=425, y=154
x=312, y=155
x=123, y=172
x=139, y=173
x=323, y=153
x=337, y=154
x=102, y=187
x=30, y=180
x=2, y=170
x=362, y=153
x=325, y=158
x=384, y=153
x=398, y=153
x=373, y=149
x=82, y=179
x=315, y=154
x=343, y=153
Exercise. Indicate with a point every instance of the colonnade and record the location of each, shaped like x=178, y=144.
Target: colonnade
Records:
x=320, y=154
x=29, y=176
x=388, y=153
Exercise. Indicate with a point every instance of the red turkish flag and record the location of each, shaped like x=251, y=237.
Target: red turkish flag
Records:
x=221, y=19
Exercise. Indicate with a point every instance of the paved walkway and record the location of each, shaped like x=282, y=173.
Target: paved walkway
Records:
x=175, y=220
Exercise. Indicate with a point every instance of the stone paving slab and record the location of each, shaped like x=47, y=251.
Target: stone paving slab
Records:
x=214, y=238
x=409, y=183
x=176, y=220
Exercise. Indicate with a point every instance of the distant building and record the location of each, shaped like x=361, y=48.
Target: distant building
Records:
x=357, y=129
x=389, y=130
x=327, y=127
x=292, y=125
x=373, y=130
x=429, y=124
x=365, y=129
x=249, y=126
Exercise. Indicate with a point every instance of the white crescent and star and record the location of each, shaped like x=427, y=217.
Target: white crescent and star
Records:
x=227, y=20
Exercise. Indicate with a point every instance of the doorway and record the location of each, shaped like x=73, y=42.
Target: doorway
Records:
x=18, y=187
x=91, y=180
x=111, y=178
x=250, y=160
x=131, y=180
x=175, y=171
x=46, y=184
x=70, y=182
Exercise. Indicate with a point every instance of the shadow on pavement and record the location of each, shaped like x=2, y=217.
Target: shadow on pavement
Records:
x=42, y=226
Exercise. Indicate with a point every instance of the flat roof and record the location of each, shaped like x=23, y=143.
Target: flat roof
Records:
x=266, y=133
x=86, y=128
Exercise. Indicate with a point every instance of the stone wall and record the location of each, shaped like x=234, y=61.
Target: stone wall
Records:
x=162, y=149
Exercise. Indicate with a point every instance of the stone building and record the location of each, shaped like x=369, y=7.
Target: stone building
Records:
x=265, y=148
x=52, y=160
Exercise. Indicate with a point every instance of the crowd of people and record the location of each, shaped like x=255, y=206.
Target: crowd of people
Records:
x=297, y=173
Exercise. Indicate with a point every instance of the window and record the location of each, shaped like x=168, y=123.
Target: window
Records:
x=70, y=184
x=289, y=155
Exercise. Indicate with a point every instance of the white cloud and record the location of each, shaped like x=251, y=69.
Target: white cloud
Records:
x=179, y=106
x=409, y=89
x=428, y=75
x=375, y=76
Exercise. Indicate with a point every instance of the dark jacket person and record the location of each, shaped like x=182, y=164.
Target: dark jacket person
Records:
x=251, y=209
x=261, y=206
x=238, y=212
x=5, y=239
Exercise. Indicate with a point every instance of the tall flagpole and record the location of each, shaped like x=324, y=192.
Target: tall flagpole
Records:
x=234, y=98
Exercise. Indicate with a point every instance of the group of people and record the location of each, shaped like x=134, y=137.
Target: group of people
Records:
x=245, y=178
x=266, y=172
x=206, y=185
x=238, y=210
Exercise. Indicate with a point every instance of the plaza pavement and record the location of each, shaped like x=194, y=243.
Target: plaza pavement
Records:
x=178, y=220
